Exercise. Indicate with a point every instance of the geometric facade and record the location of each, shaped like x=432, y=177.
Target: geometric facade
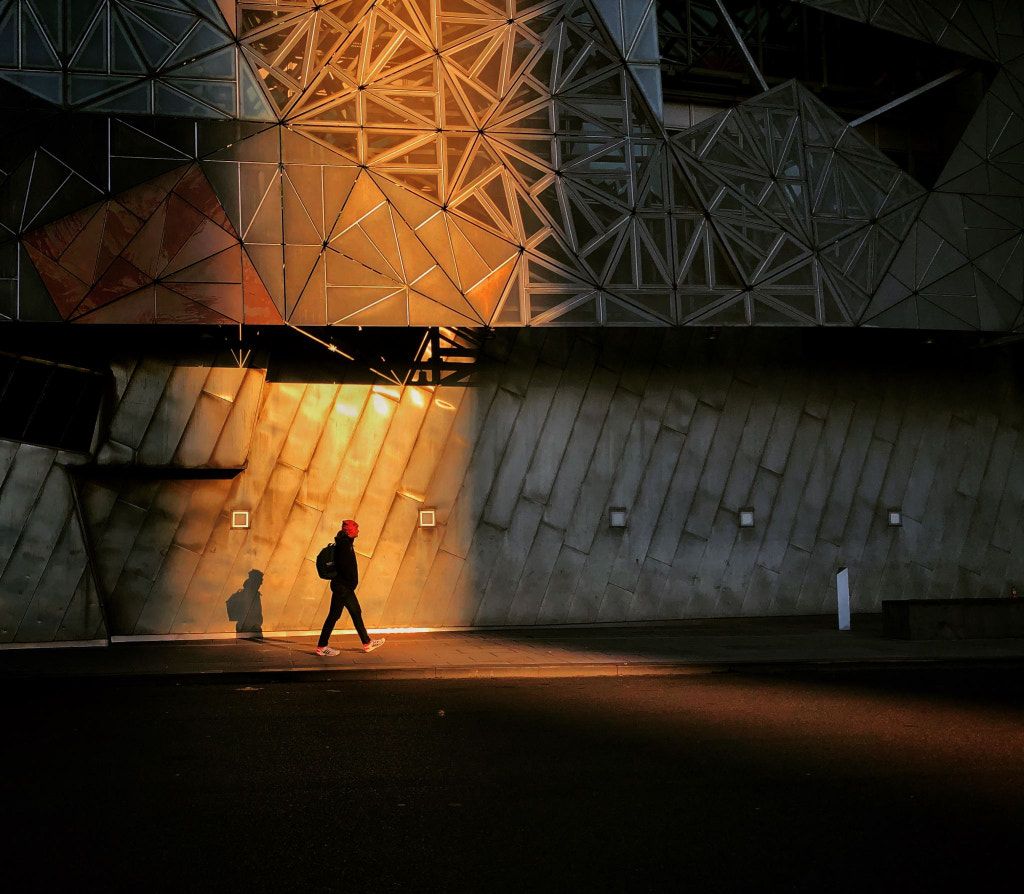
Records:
x=472, y=163
x=229, y=170
x=962, y=263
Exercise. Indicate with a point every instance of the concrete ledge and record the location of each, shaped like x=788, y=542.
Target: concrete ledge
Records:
x=58, y=644
x=952, y=618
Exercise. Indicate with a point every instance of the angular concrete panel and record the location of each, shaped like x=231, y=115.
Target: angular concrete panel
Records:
x=818, y=447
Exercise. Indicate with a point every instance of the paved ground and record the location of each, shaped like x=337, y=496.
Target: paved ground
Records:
x=852, y=780
x=686, y=647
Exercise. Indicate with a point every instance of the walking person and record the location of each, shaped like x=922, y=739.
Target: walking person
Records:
x=343, y=591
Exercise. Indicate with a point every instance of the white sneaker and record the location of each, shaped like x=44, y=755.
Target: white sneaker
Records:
x=373, y=644
x=327, y=650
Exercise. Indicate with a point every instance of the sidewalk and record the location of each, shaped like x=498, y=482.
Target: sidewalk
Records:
x=686, y=647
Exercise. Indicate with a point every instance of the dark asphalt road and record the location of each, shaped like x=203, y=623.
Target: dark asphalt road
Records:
x=868, y=781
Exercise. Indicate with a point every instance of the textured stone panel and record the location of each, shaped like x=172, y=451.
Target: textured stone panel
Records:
x=818, y=443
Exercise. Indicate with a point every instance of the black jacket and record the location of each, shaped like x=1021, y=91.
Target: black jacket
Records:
x=345, y=562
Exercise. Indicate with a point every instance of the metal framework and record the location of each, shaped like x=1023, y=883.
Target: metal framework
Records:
x=467, y=163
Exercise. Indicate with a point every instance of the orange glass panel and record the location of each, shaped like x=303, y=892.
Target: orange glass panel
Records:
x=171, y=307
x=303, y=224
x=80, y=256
x=425, y=312
x=118, y=228
x=120, y=279
x=416, y=260
x=426, y=182
x=259, y=308
x=493, y=249
x=343, y=271
x=485, y=295
x=181, y=222
x=345, y=141
x=357, y=245
x=337, y=186
x=438, y=287
x=330, y=84
x=365, y=196
x=310, y=307
x=55, y=237
x=135, y=308
x=379, y=228
x=434, y=235
x=195, y=189
x=419, y=108
x=300, y=271
x=223, y=267
x=344, y=110
x=367, y=307
x=254, y=16
x=207, y=240
x=144, y=249
x=65, y=289
x=413, y=208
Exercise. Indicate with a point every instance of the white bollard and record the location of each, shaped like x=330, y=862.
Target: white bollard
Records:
x=843, y=589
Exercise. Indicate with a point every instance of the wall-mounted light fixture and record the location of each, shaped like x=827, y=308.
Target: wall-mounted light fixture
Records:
x=428, y=518
x=240, y=518
x=894, y=518
x=617, y=517
x=746, y=518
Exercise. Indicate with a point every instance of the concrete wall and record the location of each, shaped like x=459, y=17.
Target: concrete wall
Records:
x=817, y=437
x=47, y=593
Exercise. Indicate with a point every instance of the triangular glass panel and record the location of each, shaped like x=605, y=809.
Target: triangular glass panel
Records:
x=650, y=306
x=85, y=87
x=997, y=308
x=734, y=312
x=36, y=48
x=767, y=312
x=1004, y=264
x=841, y=252
x=724, y=272
x=219, y=65
x=836, y=310
x=695, y=139
x=931, y=316
x=799, y=276
x=44, y=84
x=155, y=46
x=542, y=303
x=959, y=283
x=584, y=313
x=91, y=54
x=621, y=263
x=511, y=313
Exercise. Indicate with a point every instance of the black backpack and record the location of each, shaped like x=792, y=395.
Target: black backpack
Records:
x=325, y=566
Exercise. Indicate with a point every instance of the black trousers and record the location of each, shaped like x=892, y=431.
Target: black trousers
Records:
x=341, y=598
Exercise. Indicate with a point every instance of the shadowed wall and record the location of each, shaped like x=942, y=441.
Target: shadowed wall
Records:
x=522, y=466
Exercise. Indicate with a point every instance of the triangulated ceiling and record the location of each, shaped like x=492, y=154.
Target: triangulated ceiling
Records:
x=469, y=163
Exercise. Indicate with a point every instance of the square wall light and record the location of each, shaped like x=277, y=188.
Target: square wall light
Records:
x=746, y=518
x=240, y=518
x=617, y=517
x=894, y=518
x=428, y=518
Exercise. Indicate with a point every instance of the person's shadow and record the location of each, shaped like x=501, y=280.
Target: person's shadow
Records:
x=245, y=607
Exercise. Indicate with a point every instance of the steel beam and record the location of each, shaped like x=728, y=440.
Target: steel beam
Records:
x=924, y=88
x=738, y=38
